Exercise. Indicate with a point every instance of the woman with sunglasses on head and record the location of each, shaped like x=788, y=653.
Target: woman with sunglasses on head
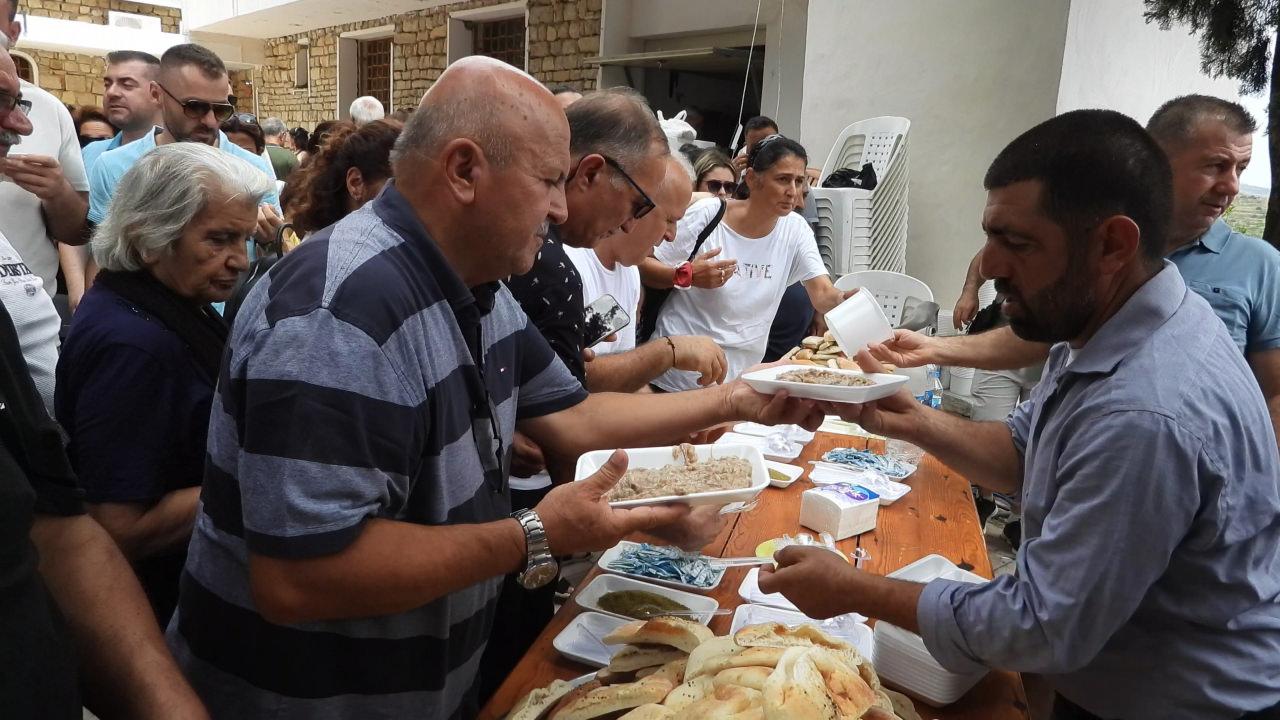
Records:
x=243, y=130
x=773, y=246
x=347, y=171
x=715, y=174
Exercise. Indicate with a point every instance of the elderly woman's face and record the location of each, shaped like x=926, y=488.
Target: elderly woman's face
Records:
x=202, y=266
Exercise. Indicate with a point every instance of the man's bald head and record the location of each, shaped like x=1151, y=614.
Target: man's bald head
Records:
x=482, y=99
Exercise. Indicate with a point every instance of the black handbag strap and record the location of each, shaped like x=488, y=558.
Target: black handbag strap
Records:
x=706, y=231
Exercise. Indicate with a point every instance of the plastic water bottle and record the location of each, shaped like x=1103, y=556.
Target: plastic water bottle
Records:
x=933, y=394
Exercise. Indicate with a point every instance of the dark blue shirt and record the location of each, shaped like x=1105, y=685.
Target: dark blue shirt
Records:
x=133, y=401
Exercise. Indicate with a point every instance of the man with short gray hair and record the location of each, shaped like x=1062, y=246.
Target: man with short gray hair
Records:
x=283, y=160
x=366, y=109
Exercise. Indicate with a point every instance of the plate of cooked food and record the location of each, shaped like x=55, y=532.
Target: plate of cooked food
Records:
x=668, y=669
x=830, y=384
x=689, y=474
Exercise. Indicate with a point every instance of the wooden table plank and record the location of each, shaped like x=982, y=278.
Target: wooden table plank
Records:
x=937, y=516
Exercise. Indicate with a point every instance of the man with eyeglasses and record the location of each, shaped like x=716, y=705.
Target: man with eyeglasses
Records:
x=618, y=151
x=43, y=189
x=193, y=91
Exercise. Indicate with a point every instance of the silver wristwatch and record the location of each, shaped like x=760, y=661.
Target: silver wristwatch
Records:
x=540, y=567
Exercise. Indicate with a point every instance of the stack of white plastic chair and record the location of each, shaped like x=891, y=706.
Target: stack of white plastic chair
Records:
x=865, y=229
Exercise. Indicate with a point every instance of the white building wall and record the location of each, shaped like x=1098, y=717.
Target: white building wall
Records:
x=1115, y=60
x=970, y=76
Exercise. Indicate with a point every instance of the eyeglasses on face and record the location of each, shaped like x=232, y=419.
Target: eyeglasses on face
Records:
x=715, y=186
x=197, y=109
x=643, y=205
x=9, y=102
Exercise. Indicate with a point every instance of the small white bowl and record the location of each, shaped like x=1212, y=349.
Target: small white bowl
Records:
x=589, y=596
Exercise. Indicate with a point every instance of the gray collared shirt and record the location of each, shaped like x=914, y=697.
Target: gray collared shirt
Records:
x=1148, y=582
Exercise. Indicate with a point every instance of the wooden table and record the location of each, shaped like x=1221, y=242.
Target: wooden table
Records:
x=937, y=516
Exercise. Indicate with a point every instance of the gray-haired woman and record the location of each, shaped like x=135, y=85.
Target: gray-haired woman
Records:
x=136, y=377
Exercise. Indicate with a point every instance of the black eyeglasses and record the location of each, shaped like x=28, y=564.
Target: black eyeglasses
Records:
x=644, y=205
x=715, y=186
x=9, y=102
x=197, y=109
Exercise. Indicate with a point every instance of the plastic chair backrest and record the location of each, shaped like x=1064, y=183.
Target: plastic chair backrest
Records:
x=890, y=288
x=872, y=141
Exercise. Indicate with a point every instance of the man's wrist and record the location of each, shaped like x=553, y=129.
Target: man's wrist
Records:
x=682, y=278
x=515, y=537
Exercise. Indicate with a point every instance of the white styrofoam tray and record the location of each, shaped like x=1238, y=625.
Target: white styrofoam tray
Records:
x=608, y=556
x=750, y=592
x=844, y=627
x=901, y=656
x=658, y=457
x=764, y=381
x=583, y=638
x=589, y=596
x=794, y=433
x=762, y=444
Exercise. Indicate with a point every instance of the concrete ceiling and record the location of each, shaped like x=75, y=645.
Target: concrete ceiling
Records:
x=274, y=19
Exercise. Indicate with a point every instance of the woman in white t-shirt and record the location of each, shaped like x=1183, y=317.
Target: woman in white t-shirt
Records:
x=773, y=247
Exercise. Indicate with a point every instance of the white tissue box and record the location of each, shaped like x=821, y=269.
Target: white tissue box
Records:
x=843, y=509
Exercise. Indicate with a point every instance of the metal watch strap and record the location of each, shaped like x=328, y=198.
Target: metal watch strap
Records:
x=537, y=550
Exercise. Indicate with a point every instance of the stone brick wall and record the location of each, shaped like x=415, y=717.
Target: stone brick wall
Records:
x=77, y=79
x=561, y=34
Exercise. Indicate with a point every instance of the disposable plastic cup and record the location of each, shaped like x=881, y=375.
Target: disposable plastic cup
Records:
x=858, y=322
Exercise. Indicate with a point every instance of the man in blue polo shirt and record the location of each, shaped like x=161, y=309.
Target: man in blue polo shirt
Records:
x=127, y=99
x=193, y=91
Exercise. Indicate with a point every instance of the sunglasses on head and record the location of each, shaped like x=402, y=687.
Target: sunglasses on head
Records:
x=247, y=118
x=715, y=186
x=643, y=205
x=197, y=109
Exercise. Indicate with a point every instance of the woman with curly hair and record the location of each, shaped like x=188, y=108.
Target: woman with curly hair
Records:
x=347, y=170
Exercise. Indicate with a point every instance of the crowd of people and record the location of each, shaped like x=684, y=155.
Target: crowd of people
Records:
x=303, y=446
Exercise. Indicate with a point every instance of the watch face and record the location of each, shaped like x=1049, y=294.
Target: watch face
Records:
x=539, y=575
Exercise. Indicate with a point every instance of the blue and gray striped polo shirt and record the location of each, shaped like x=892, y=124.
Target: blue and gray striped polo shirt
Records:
x=349, y=392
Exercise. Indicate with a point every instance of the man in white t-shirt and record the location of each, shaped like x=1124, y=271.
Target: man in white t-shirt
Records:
x=44, y=192
x=21, y=290
x=610, y=268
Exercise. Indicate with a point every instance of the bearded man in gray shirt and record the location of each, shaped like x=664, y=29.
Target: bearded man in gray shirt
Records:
x=1149, y=577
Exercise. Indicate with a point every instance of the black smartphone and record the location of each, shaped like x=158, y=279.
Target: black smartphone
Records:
x=604, y=317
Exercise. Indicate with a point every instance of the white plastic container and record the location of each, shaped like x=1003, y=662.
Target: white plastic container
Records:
x=850, y=628
x=589, y=463
x=961, y=381
x=609, y=556
x=858, y=322
x=793, y=473
x=583, y=638
x=589, y=596
x=901, y=656
x=842, y=509
x=882, y=384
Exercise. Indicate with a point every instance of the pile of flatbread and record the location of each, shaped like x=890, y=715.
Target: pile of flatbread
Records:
x=676, y=669
x=823, y=351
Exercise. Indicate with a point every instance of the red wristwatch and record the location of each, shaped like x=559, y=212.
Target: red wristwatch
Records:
x=684, y=275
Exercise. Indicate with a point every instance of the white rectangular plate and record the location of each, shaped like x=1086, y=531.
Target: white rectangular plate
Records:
x=583, y=638
x=589, y=596
x=792, y=472
x=794, y=433
x=612, y=554
x=762, y=444
x=845, y=627
x=663, y=456
x=764, y=381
